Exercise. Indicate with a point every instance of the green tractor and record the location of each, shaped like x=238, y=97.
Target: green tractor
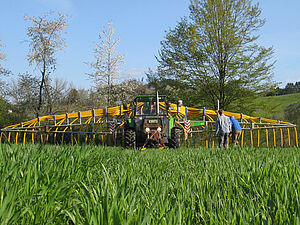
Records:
x=151, y=125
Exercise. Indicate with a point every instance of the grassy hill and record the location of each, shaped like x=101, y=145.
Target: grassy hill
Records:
x=273, y=107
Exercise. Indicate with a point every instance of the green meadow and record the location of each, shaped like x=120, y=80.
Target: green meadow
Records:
x=44, y=184
x=272, y=107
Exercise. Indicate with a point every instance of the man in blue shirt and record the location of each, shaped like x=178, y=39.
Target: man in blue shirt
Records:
x=236, y=130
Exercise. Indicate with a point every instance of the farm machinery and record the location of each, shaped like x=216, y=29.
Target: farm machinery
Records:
x=150, y=121
x=152, y=124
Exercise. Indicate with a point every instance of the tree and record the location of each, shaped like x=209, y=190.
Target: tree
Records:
x=24, y=93
x=73, y=96
x=127, y=90
x=56, y=94
x=45, y=39
x=291, y=88
x=3, y=71
x=108, y=61
x=214, y=54
x=2, y=57
x=9, y=114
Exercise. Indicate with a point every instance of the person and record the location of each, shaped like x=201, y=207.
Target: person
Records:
x=236, y=130
x=223, y=128
x=149, y=109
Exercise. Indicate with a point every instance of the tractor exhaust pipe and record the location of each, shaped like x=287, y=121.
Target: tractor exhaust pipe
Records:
x=157, y=104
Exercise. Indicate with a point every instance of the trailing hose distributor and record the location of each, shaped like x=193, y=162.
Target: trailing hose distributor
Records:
x=151, y=124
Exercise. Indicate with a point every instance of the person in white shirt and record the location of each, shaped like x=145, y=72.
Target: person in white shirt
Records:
x=223, y=128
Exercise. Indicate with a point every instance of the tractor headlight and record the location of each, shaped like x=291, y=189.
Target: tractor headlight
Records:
x=147, y=129
x=159, y=129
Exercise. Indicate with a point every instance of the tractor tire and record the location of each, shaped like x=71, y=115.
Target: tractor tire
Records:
x=176, y=137
x=130, y=139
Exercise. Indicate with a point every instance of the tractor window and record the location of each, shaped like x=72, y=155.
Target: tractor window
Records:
x=163, y=108
x=147, y=106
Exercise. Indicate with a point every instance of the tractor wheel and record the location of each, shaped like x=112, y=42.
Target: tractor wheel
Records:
x=130, y=139
x=176, y=137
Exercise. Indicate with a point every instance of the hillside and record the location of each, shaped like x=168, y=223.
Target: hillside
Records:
x=273, y=107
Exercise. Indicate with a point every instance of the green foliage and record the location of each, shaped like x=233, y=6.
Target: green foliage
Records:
x=9, y=114
x=24, y=93
x=214, y=54
x=274, y=107
x=289, y=88
x=101, y=185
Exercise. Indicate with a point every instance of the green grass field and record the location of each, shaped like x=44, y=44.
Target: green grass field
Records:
x=273, y=107
x=105, y=185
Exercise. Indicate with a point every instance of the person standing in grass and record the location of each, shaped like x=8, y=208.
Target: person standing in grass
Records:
x=236, y=130
x=223, y=128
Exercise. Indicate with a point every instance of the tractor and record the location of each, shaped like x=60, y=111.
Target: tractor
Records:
x=151, y=125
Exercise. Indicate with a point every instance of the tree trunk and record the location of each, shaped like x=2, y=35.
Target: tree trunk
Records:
x=49, y=99
x=222, y=89
x=41, y=87
x=40, y=94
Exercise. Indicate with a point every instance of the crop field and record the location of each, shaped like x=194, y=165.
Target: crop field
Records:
x=43, y=184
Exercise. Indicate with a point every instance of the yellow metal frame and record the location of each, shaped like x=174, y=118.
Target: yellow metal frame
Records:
x=98, y=118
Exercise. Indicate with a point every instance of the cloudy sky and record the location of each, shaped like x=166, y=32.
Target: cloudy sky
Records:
x=141, y=26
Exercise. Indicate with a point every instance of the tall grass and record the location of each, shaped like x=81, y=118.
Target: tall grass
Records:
x=101, y=185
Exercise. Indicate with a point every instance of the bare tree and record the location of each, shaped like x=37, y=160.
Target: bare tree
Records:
x=127, y=90
x=45, y=34
x=2, y=56
x=55, y=94
x=3, y=71
x=106, y=68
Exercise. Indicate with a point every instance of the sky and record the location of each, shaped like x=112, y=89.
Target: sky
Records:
x=141, y=26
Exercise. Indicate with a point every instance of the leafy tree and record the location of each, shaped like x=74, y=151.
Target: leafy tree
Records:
x=73, y=96
x=45, y=39
x=9, y=114
x=214, y=55
x=107, y=62
x=24, y=93
x=291, y=88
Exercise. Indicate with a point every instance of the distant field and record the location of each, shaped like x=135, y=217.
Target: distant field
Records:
x=106, y=185
x=273, y=106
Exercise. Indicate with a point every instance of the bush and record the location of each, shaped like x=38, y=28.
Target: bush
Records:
x=9, y=114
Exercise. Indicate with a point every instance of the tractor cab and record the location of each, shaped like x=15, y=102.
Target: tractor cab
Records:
x=150, y=125
x=147, y=106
